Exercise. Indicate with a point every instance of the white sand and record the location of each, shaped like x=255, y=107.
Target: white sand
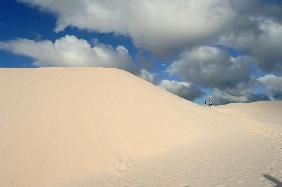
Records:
x=78, y=127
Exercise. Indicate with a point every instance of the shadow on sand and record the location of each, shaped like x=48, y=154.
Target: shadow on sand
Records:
x=276, y=182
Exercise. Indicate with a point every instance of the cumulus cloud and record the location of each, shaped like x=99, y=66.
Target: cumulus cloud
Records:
x=273, y=85
x=70, y=51
x=259, y=8
x=211, y=67
x=261, y=40
x=182, y=89
x=161, y=26
x=241, y=93
x=228, y=78
x=144, y=74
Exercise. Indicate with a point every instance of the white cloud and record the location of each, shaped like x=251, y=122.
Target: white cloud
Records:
x=70, y=51
x=182, y=89
x=273, y=85
x=211, y=67
x=259, y=8
x=223, y=97
x=240, y=93
x=228, y=78
x=144, y=74
x=262, y=40
x=160, y=26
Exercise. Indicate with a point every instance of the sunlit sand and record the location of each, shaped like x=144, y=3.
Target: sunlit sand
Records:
x=77, y=127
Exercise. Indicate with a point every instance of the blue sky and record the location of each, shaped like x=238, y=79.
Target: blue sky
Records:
x=20, y=21
x=227, y=53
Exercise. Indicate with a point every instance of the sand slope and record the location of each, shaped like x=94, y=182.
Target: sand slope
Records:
x=268, y=112
x=106, y=127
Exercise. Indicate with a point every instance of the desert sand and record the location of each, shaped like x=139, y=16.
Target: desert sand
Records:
x=86, y=127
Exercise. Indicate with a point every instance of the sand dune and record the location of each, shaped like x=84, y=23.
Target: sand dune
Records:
x=268, y=112
x=74, y=127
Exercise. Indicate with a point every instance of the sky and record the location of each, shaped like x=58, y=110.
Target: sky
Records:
x=225, y=51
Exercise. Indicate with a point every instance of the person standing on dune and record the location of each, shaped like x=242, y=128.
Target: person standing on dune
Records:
x=210, y=104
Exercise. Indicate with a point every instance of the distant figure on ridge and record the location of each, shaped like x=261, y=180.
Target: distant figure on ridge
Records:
x=210, y=104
